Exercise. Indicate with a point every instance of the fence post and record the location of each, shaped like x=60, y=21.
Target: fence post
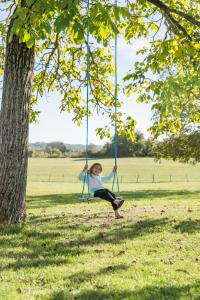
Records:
x=153, y=176
x=170, y=178
x=138, y=178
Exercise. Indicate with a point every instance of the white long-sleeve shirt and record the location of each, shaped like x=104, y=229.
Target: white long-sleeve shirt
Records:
x=94, y=182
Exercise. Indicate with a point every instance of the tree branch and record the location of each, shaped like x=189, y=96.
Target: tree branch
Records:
x=176, y=26
x=185, y=16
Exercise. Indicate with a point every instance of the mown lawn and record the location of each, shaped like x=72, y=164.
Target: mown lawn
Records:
x=71, y=250
x=130, y=170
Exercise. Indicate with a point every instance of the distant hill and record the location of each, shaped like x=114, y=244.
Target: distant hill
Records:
x=72, y=147
x=37, y=145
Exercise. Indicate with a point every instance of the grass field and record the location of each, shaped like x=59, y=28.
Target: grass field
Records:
x=67, y=170
x=72, y=250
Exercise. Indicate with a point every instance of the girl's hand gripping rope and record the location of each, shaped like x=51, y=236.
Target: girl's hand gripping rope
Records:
x=85, y=167
x=115, y=168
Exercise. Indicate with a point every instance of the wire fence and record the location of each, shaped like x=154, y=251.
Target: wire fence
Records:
x=152, y=178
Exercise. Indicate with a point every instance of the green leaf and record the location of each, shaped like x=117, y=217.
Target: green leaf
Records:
x=61, y=23
x=30, y=2
x=154, y=26
x=21, y=13
x=26, y=37
x=30, y=43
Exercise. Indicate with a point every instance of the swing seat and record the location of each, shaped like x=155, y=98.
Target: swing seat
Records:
x=89, y=197
x=119, y=197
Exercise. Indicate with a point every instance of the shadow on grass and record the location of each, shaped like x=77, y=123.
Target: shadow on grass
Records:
x=172, y=292
x=82, y=277
x=189, y=226
x=34, y=246
x=46, y=201
x=160, y=194
x=126, y=231
x=51, y=240
x=38, y=245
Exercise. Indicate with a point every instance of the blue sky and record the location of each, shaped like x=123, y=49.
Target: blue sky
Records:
x=54, y=125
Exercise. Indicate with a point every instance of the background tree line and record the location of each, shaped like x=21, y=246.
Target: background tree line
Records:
x=141, y=147
x=184, y=148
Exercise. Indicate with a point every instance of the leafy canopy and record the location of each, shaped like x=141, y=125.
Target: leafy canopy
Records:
x=167, y=75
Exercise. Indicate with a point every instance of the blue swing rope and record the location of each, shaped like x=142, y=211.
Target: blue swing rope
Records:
x=115, y=179
x=86, y=178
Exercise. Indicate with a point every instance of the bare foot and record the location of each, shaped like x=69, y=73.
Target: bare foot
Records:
x=119, y=202
x=118, y=217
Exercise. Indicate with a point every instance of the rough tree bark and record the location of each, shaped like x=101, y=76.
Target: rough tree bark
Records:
x=14, y=125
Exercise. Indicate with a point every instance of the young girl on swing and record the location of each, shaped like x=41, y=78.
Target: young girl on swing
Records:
x=95, y=185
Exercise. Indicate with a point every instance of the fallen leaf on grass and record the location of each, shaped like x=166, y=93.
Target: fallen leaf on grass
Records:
x=163, y=239
x=24, y=280
x=120, y=253
x=68, y=244
x=19, y=290
x=179, y=241
x=134, y=260
x=182, y=270
x=189, y=210
x=103, y=225
x=99, y=250
x=98, y=286
x=152, y=251
x=167, y=262
x=101, y=235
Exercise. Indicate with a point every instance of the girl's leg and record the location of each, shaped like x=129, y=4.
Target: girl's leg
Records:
x=111, y=193
x=117, y=201
x=106, y=195
x=110, y=197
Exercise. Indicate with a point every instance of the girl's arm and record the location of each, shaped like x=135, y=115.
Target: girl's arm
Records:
x=110, y=176
x=107, y=178
x=83, y=173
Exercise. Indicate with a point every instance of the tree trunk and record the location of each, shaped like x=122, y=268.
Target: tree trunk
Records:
x=14, y=127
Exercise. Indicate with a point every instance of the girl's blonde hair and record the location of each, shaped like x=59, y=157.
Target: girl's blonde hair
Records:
x=94, y=165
